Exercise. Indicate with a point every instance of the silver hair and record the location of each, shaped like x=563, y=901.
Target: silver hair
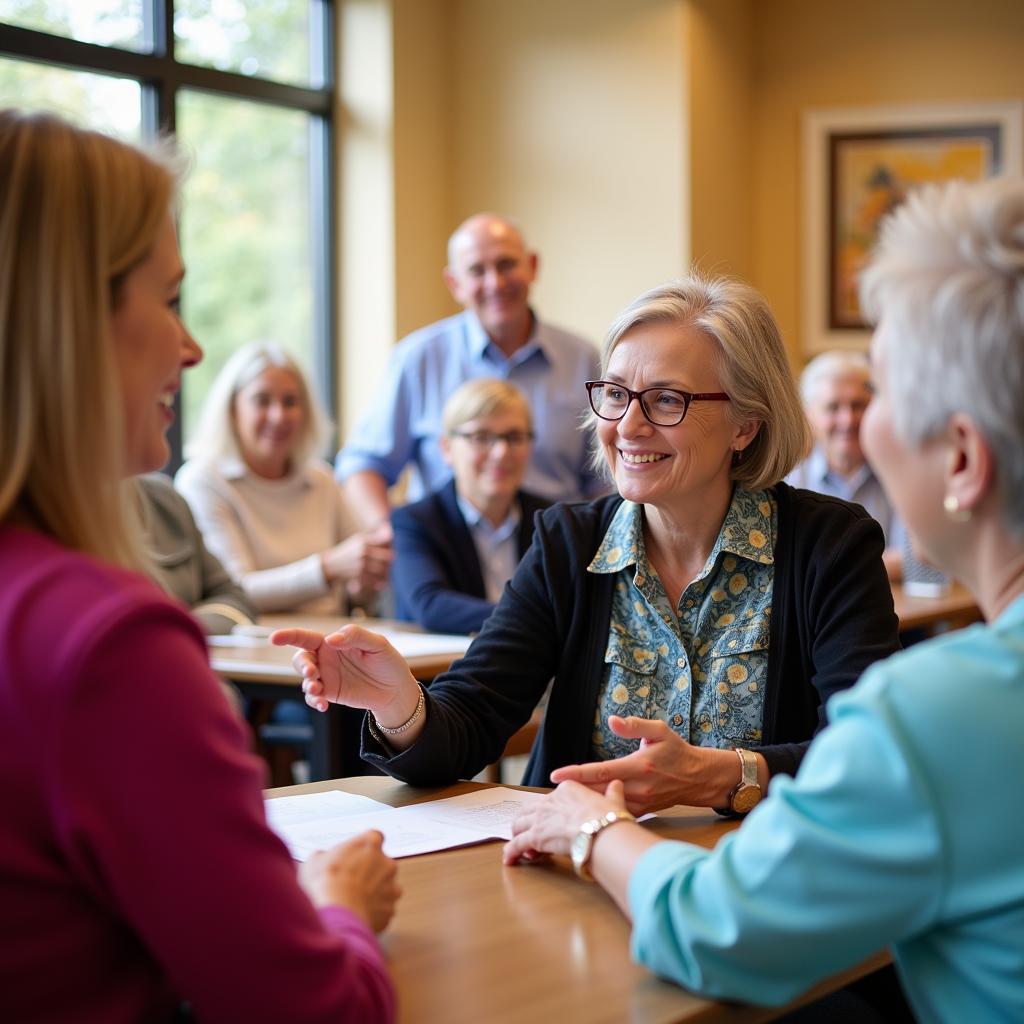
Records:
x=751, y=365
x=215, y=437
x=832, y=366
x=947, y=281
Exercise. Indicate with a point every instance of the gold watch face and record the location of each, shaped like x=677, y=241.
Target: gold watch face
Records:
x=581, y=845
x=746, y=798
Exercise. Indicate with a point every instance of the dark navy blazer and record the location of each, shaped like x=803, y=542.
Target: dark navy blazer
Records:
x=436, y=574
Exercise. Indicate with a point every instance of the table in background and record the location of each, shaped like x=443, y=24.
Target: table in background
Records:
x=475, y=941
x=265, y=673
x=953, y=610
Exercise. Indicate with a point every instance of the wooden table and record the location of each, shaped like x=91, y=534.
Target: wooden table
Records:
x=473, y=941
x=954, y=609
x=265, y=673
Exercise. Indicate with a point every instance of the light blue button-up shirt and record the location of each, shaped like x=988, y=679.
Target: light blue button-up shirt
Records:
x=863, y=487
x=902, y=828
x=403, y=423
x=496, y=546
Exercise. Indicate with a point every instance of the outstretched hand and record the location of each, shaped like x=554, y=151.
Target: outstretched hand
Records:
x=352, y=666
x=665, y=770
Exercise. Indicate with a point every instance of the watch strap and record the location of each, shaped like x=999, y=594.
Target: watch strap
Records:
x=590, y=829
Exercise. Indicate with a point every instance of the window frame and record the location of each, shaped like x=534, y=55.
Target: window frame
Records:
x=161, y=76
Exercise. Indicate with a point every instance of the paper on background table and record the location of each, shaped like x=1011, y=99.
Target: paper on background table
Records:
x=415, y=645
x=417, y=828
x=408, y=645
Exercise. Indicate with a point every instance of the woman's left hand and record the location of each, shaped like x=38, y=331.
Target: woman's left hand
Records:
x=666, y=770
x=550, y=825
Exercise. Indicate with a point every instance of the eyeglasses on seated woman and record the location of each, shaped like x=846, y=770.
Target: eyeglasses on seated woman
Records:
x=694, y=623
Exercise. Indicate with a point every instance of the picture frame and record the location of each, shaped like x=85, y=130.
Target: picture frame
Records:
x=858, y=164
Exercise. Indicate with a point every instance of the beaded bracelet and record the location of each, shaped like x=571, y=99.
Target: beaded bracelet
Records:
x=398, y=729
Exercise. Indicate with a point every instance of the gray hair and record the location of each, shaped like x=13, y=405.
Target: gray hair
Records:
x=947, y=278
x=832, y=366
x=215, y=437
x=751, y=365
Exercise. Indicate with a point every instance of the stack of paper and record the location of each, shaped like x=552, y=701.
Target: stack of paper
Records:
x=317, y=821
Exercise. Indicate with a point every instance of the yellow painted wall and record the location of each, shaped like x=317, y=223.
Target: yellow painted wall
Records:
x=569, y=117
x=719, y=59
x=826, y=53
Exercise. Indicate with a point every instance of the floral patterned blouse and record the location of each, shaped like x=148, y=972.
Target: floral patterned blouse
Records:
x=701, y=666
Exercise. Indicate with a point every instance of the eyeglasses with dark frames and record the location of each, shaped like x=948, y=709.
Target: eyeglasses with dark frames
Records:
x=664, y=407
x=485, y=440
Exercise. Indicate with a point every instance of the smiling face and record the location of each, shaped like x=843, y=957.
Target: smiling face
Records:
x=152, y=347
x=490, y=273
x=835, y=416
x=270, y=420
x=670, y=466
x=488, y=477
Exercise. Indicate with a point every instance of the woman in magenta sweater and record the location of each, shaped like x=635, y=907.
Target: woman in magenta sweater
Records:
x=137, y=873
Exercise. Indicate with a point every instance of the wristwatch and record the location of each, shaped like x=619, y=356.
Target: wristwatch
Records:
x=583, y=844
x=747, y=794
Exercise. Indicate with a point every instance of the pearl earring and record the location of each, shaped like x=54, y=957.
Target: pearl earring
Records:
x=951, y=504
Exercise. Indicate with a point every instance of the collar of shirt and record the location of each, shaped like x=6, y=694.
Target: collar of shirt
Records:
x=844, y=486
x=623, y=542
x=477, y=522
x=481, y=345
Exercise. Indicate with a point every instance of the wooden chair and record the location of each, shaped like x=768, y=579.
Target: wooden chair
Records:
x=520, y=743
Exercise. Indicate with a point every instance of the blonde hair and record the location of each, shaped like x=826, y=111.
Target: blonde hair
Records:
x=79, y=211
x=484, y=396
x=215, y=436
x=751, y=365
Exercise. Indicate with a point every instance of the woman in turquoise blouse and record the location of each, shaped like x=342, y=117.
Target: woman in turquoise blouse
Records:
x=902, y=827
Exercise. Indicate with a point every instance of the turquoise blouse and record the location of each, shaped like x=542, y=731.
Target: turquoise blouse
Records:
x=700, y=666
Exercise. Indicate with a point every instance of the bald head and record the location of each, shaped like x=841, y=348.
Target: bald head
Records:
x=489, y=273
x=482, y=226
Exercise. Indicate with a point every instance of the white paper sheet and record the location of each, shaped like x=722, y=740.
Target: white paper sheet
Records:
x=418, y=828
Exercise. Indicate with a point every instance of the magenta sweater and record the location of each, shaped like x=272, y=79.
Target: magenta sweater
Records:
x=136, y=868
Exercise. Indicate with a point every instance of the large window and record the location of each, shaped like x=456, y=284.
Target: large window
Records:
x=245, y=85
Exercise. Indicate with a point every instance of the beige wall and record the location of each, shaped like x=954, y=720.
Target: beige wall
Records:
x=569, y=117
x=627, y=136
x=812, y=53
x=720, y=66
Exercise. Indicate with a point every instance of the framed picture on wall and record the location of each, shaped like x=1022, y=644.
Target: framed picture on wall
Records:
x=858, y=165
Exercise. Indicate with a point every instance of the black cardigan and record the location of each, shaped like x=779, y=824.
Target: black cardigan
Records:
x=832, y=616
x=436, y=573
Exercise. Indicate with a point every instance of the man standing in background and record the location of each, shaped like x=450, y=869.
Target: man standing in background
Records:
x=489, y=274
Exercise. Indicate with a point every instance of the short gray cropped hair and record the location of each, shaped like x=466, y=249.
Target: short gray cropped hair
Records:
x=947, y=278
x=751, y=365
x=832, y=366
x=215, y=438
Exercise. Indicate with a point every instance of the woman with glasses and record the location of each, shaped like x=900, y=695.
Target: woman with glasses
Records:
x=457, y=548
x=695, y=622
x=901, y=829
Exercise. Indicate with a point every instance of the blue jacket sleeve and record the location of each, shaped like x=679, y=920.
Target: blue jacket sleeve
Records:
x=424, y=585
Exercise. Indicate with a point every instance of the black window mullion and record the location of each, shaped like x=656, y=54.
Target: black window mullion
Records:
x=161, y=77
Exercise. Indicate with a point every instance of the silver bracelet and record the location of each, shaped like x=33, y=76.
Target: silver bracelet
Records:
x=406, y=725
